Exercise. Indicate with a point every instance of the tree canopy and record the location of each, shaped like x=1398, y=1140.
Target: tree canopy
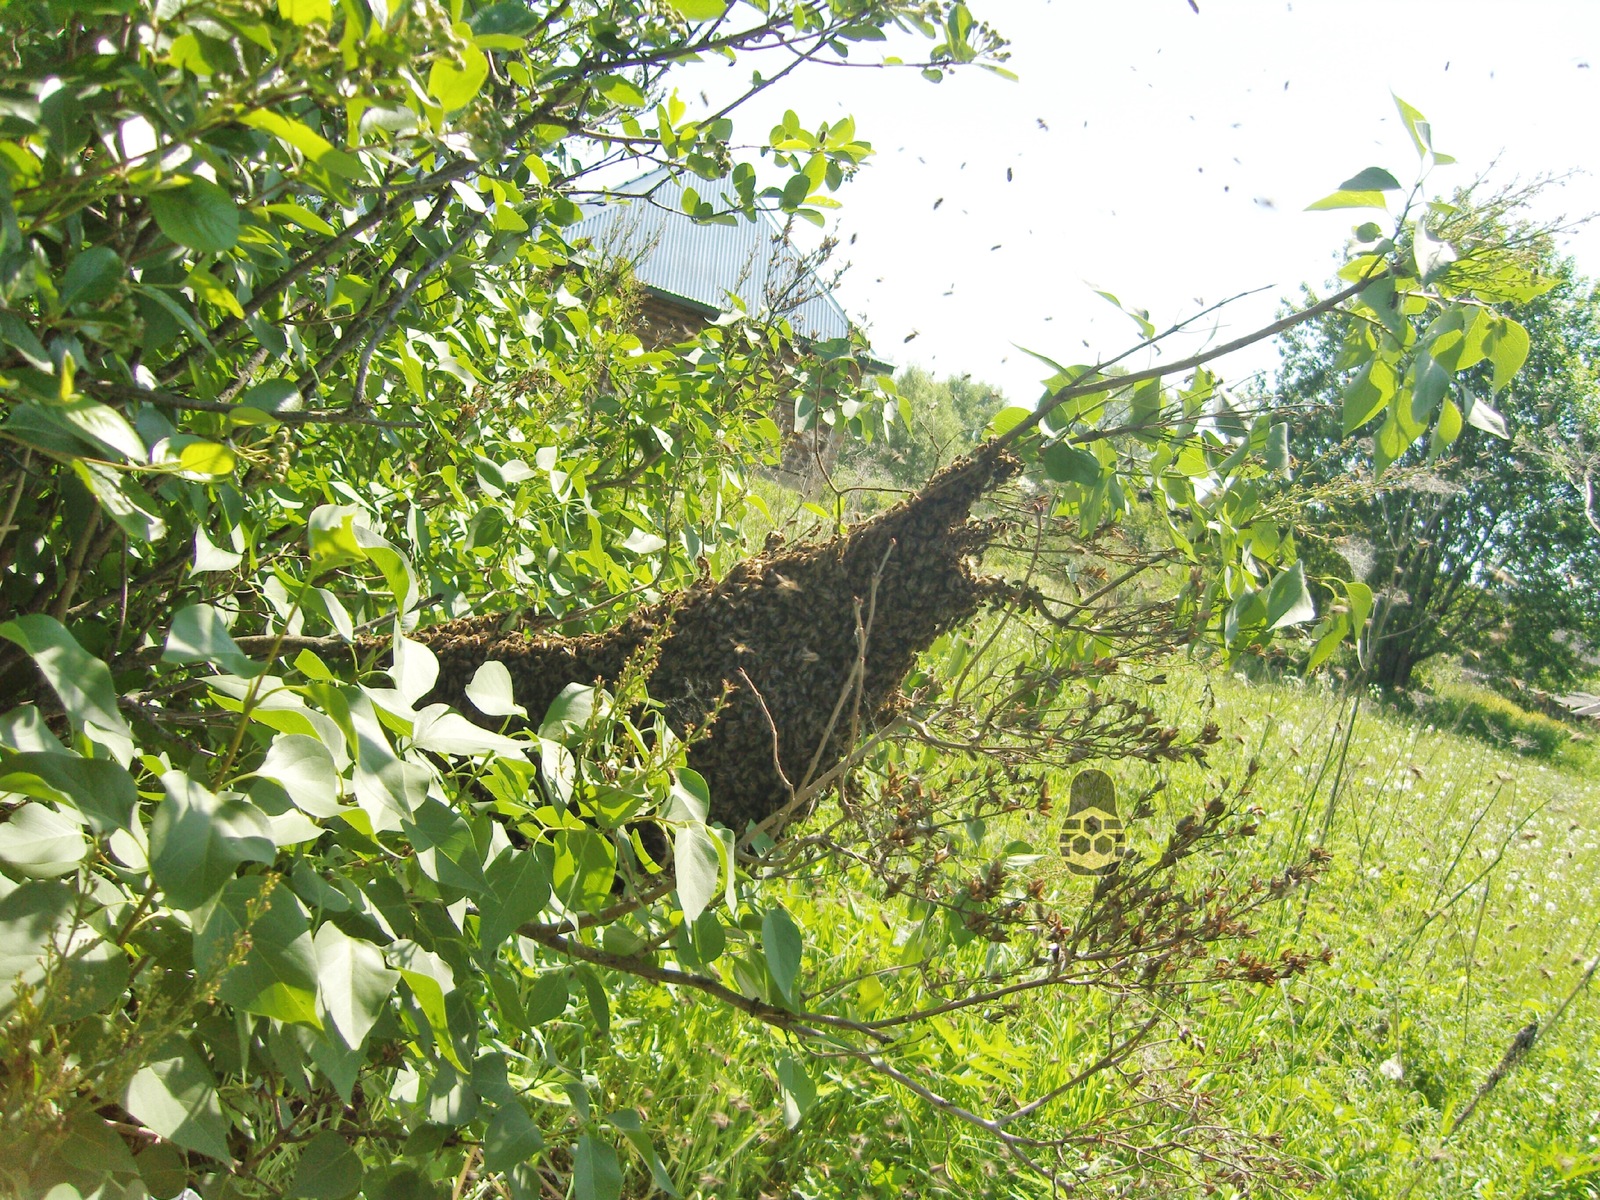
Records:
x=1483, y=547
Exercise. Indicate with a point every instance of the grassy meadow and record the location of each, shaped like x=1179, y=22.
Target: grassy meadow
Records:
x=1458, y=903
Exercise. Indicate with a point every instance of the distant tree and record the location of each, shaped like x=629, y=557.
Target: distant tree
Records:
x=940, y=420
x=1486, y=547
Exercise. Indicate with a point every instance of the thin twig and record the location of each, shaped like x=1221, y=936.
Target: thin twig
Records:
x=308, y=416
x=469, y=229
x=777, y=762
x=1098, y=382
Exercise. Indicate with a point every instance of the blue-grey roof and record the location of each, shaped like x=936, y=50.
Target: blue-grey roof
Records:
x=704, y=264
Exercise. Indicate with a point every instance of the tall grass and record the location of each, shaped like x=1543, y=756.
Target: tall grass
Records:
x=1459, y=905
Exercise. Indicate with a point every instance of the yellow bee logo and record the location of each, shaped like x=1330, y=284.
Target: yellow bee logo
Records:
x=1093, y=839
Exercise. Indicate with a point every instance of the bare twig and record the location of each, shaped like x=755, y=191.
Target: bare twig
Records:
x=1097, y=381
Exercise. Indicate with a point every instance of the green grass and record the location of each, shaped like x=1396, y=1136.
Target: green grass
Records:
x=1459, y=904
x=1450, y=700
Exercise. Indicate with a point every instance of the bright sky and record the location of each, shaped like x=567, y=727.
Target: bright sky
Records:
x=1168, y=157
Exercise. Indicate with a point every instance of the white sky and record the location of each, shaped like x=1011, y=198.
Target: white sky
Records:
x=1180, y=152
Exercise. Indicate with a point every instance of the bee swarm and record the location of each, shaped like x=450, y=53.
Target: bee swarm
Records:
x=786, y=619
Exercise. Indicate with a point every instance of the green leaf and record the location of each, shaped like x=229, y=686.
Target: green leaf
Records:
x=795, y=191
x=1070, y=464
x=306, y=140
x=628, y=1123
x=198, y=214
x=93, y=1145
x=328, y=1169
x=212, y=460
x=415, y=669
x=689, y=798
x=1277, y=452
x=446, y=850
x=355, y=984
x=387, y=788
x=490, y=691
x=1506, y=344
x=210, y=557
x=1433, y=256
x=331, y=537
x=451, y=1100
x=1369, y=392
x=39, y=843
x=270, y=397
x=40, y=926
x=1007, y=419
x=1421, y=132
x=91, y=277
x=517, y=887
x=570, y=712
x=197, y=841
x=304, y=767
x=80, y=680
x=97, y=787
x=1337, y=630
x=1289, y=600
x=1349, y=198
x=278, y=974
x=698, y=864
x=1360, y=598
x=304, y=12
x=621, y=92
x=121, y=500
x=642, y=541
x=780, y=942
x=206, y=287
x=199, y=634
x=585, y=864
x=596, y=1173
x=797, y=1088
x=1140, y=316
x=445, y=732
x=510, y=18
x=299, y=214
x=175, y=1096
x=512, y=1139
x=1390, y=442
x=1481, y=415
x=698, y=10
x=1447, y=430
x=163, y=1168
x=338, y=1063
x=456, y=86
x=547, y=998
x=429, y=977
x=102, y=426
x=1430, y=384
x=1372, y=179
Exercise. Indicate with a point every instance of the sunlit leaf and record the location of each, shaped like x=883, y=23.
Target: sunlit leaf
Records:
x=199, y=214
x=175, y=1095
x=780, y=941
x=1289, y=600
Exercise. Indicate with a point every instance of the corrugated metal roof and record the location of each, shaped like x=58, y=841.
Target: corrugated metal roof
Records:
x=672, y=254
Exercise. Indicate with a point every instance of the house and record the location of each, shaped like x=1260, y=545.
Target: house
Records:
x=691, y=272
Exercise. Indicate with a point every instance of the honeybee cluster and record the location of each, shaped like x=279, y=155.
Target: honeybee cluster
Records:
x=785, y=620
